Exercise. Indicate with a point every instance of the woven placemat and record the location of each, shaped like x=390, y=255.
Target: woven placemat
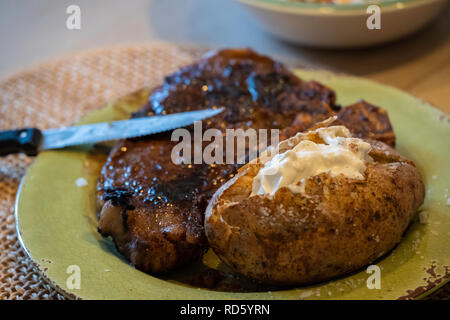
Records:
x=55, y=94
x=58, y=93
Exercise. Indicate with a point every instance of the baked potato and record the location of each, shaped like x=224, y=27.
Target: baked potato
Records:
x=334, y=226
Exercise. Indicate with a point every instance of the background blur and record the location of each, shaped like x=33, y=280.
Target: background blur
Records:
x=32, y=31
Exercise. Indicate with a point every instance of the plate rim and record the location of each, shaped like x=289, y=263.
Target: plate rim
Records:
x=445, y=279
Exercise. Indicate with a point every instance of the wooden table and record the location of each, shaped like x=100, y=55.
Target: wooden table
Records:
x=33, y=31
x=36, y=31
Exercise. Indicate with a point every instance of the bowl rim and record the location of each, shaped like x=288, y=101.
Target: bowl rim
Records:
x=288, y=6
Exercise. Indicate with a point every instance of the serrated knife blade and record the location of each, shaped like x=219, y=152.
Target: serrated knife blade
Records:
x=32, y=140
x=115, y=130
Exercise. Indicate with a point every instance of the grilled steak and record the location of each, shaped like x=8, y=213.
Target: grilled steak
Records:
x=363, y=119
x=152, y=208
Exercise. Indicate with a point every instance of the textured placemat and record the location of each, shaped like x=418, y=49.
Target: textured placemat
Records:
x=58, y=93
x=55, y=94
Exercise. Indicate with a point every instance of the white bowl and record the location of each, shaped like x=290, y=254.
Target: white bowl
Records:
x=341, y=26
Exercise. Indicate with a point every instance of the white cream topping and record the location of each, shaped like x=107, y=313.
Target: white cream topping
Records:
x=81, y=182
x=341, y=154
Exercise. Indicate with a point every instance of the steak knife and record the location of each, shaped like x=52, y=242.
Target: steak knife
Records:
x=32, y=140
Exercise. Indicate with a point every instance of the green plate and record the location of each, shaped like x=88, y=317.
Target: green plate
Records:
x=56, y=219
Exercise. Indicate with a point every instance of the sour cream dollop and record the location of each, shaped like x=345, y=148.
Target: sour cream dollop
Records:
x=340, y=154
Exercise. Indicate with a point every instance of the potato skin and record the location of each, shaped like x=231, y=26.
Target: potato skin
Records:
x=338, y=225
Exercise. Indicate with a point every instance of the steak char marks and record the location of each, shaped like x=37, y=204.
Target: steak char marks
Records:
x=152, y=208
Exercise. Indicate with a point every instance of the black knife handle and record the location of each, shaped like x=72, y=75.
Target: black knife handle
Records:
x=27, y=140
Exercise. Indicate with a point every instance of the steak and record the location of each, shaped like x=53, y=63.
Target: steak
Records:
x=363, y=119
x=153, y=208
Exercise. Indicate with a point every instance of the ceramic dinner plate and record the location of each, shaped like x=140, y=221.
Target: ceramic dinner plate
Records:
x=56, y=216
